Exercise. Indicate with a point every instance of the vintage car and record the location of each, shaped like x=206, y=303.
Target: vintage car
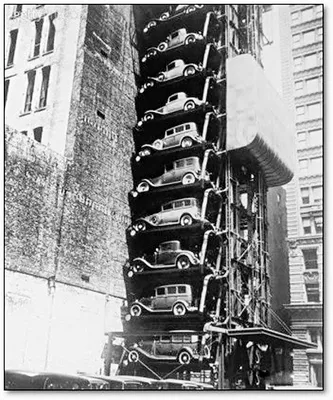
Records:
x=185, y=171
x=176, y=299
x=29, y=380
x=184, y=135
x=179, y=384
x=168, y=255
x=126, y=382
x=174, y=40
x=180, y=9
x=176, y=102
x=183, y=211
x=180, y=346
x=173, y=70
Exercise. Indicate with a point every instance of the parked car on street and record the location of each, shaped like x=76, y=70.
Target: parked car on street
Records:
x=126, y=382
x=183, y=211
x=168, y=255
x=176, y=299
x=185, y=171
x=175, y=39
x=179, y=346
x=184, y=135
x=173, y=70
x=165, y=16
x=176, y=102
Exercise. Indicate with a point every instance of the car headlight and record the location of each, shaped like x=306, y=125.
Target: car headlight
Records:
x=151, y=24
x=154, y=219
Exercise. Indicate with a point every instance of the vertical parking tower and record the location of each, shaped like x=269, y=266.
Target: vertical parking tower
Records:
x=197, y=278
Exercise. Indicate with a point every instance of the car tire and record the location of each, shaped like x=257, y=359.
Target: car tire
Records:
x=141, y=226
x=186, y=220
x=162, y=46
x=183, y=262
x=148, y=117
x=188, y=179
x=184, y=357
x=143, y=187
x=187, y=142
x=190, y=9
x=189, y=105
x=188, y=71
x=133, y=356
x=136, y=310
x=190, y=39
x=179, y=309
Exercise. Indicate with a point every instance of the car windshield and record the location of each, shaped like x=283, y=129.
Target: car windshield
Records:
x=160, y=291
x=169, y=246
x=173, y=98
x=168, y=206
x=180, y=164
x=171, y=66
x=174, y=35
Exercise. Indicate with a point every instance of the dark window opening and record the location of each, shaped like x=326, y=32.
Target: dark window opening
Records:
x=6, y=90
x=85, y=278
x=104, y=53
x=313, y=292
x=45, y=87
x=100, y=114
x=51, y=35
x=38, y=134
x=30, y=90
x=12, y=47
x=25, y=133
x=310, y=258
x=38, y=37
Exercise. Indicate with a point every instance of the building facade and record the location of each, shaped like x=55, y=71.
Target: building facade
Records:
x=69, y=91
x=296, y=33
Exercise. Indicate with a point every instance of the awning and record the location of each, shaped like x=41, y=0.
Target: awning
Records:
x=268, y=336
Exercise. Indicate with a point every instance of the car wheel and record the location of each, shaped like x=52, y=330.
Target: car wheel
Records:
x=138, y=267
x=143, y=187
x=158, y=144
x=190, y=105
x=190, y=39
x=184, y=357
x=133, y=356
x=141, y=226
x=179, y=309
x=161, y=77
x=183, y=262
x=164, y=16
x=188, y=179
x=189, y=71
x=186, y=220
x=190, y=9
x=162, y=46
x=148, y=117
x=136, y=310
x=187, y=142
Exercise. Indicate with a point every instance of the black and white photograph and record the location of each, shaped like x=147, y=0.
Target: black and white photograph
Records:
x=163, y=197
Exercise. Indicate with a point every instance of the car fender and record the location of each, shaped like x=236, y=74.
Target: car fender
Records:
x=190, y=350
x=142, y=261
x=149, y=309
x=194, y=260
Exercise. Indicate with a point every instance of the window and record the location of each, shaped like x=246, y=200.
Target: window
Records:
x=305, y=195
x=299, y=85
x=51, y=35
x=320, y=34
x=294, y=16
x=316, y=165
x=314, y=111
x=38, y=134
x=297, y=40
x=312, y=291
x=12, y=47
x=160, y=292
x=181, y=289
x=303, y=167
x=306, y=223
x=298, y=63
x=300, y=112
x=30, y=90
x=317, y=192
x=172, y=290
x=45, y=87
x=315, y=137
x=310, y=258
x=308, y=37
x=307, y=14
x=310, y=61
x=6, y=90
x=38, y=37
x=318, y=222
x=301, y=138
x=319, y=11
x=312, y=85
x=165, y=339
x=25, y=133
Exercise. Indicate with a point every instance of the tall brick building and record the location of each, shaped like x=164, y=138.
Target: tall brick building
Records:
x=69, y=92
x=297, y=33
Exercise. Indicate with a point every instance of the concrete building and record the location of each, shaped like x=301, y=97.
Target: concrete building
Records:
x=297, y=33
x=69, y=91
